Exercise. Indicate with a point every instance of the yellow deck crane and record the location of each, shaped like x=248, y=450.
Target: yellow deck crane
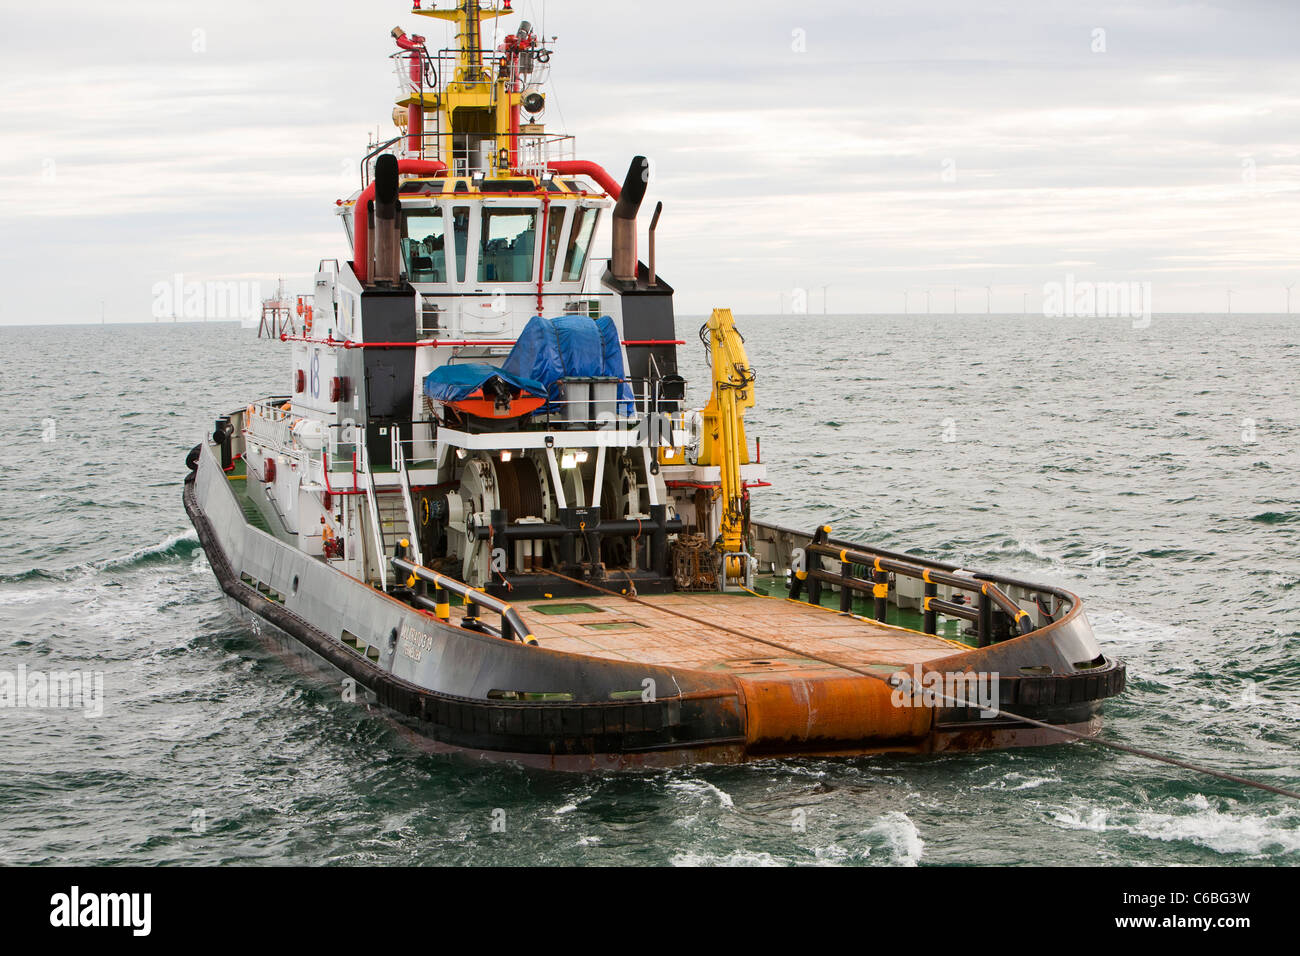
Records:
x=722, y=438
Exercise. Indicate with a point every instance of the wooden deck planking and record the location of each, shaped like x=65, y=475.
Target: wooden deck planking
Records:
x=666, y=639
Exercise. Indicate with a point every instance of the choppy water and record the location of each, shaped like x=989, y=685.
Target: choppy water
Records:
x=1152, y=471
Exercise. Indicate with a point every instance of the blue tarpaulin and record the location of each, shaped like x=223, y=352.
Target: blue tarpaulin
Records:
x=571, y=346
x=452, y=383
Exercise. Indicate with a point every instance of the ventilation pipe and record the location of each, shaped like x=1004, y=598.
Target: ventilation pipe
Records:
x=650, y=253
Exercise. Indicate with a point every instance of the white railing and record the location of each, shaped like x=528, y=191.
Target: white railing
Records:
x=270, y=426
x=402, y=69
x=536, y=150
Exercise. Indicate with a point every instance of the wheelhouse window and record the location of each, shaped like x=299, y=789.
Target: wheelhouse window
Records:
x=508, y=239
x=554, y=230
x=579, y=243
x=424, y=246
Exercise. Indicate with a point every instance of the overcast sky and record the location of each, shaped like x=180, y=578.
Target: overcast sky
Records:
x=883, y=148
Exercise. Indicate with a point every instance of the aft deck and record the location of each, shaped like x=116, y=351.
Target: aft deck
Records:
x=645, y=631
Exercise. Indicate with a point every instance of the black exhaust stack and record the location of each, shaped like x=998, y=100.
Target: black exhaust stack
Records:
x=623, y=260
x=387, y=265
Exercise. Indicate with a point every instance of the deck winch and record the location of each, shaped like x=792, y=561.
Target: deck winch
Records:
x=514, y=516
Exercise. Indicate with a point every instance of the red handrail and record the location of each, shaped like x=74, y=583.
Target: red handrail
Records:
x=582, y=167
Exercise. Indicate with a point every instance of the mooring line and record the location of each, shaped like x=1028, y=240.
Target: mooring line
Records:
x=1055, y=728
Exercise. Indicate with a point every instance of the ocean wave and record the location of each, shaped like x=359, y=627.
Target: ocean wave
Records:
x=696, y=787
x=35, y=574
x=1017, y=781
x=1276, y=517
x=734, y=858
x=1226, y=832
x=1021, y=545
x=182, y=545
x=896, y=833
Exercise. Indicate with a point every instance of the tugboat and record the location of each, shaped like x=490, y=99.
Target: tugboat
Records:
x=483, y=503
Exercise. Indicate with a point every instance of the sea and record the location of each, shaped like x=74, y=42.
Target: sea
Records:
x=1150, y=467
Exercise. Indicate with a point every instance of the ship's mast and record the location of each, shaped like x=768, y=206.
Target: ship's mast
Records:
x=468, y=17
x=481, y=103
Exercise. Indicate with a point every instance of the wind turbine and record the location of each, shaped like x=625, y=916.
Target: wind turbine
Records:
x=1288, y=298
x=988, y=299
x=954, y=300
x=824, y=288
x=1230, y=302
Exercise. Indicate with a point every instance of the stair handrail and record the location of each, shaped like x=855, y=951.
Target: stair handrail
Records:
x=376, y=532
x=404, y=478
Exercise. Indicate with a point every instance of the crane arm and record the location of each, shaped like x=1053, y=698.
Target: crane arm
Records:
x=724, y=421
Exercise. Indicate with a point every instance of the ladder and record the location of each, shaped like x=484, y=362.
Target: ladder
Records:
x=391, y=513
x=393, y=523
